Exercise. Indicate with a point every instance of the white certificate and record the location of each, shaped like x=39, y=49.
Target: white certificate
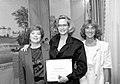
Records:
x=58, y=67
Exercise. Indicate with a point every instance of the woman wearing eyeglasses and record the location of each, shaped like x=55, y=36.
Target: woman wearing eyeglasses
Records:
x=64, y=46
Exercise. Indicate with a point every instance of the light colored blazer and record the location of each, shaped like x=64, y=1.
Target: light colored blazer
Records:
x=24, y=62
x=101, y=59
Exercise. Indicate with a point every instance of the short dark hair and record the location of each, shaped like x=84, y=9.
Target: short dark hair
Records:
x=38, y=27
x=98, y=31
x=24, y=38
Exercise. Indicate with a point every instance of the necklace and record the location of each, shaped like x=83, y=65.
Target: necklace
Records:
x=90, y=44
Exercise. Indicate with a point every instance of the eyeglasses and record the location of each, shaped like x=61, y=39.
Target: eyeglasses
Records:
x=62, y=25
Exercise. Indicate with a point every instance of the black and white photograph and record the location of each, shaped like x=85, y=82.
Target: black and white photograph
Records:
x=59, y=41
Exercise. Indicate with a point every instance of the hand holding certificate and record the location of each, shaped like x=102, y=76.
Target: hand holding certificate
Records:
x=58, y=67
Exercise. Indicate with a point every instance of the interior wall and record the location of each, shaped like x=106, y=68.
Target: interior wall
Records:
x=39, y=14
x=59, y=7
x=77, y=15
x=73, y=9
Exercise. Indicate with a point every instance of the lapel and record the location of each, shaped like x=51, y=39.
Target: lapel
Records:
x=97, y=51
x=97, y=59
x=65, y=47
x=29, y=67
x=98, y=62
x=28, y=59
x=45, y=54
x=45, y=51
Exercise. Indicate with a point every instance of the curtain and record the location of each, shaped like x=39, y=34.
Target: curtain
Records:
x=39, y=14
x=98, y=13
x=112, y=35
x=107, y=14
x=78, y=16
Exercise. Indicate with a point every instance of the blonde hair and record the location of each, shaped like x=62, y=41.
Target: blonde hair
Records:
x=69, y=22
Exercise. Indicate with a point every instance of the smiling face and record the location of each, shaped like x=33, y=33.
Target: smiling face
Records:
x=90, y=32
x=63, y=27
x=35, y=36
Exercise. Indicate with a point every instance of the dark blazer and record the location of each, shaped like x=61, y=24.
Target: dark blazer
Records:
x=73, y=49
x=24, y=66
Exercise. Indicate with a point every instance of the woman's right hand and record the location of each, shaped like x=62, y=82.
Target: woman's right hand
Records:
x=25, y=47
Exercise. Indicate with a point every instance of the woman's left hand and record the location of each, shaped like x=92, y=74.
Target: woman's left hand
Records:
x=25, y=47
x=62, y=79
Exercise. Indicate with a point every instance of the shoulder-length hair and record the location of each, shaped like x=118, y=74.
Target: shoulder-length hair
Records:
x=69, y=22
x=98, y=31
